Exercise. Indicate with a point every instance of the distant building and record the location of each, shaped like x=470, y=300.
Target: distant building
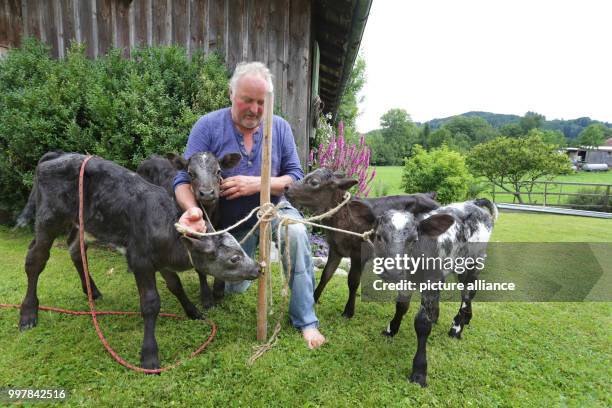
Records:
x=590, y=155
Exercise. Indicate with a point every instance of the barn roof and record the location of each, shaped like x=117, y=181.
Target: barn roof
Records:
x=338, y=28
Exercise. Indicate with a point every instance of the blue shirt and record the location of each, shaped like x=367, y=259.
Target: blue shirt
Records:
x=215, y=132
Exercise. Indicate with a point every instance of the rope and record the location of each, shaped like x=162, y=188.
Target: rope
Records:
x=92, y=308
x=269, y=212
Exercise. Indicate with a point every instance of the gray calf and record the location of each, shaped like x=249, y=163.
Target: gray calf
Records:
x=205, y=172
x=459, y=230
x=322, y=190
x=124, y=210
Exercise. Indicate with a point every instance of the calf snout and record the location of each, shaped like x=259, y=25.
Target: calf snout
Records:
x=206, y=195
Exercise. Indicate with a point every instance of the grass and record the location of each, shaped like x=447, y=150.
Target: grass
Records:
x=513, y=354
x=389, y=180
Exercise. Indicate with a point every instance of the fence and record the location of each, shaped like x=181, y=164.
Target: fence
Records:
x=551, y=193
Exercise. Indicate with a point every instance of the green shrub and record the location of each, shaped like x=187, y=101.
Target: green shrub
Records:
x=590, y=202
x=120, y=109
x=441, y=170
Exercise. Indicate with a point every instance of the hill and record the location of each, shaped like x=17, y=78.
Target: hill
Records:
x=570, y=128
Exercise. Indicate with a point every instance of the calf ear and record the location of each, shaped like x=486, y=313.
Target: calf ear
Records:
x=177, y=161
x=432, y=194
x=436, y=225
x=345, y=183
x=361, y=211
x=230, y=160
x=204, y=244
x=421, y=203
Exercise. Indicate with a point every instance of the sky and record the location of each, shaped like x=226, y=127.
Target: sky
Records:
x=438, y=58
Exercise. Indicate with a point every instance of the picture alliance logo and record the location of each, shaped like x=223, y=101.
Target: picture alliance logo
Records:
x=412, y=264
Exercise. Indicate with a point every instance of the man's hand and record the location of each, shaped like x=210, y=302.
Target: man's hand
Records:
x=193, y=219
x=239, y=186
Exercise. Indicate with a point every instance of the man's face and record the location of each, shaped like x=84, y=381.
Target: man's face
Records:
x=248, y=101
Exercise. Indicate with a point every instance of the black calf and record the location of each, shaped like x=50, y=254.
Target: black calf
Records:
x=124, y=210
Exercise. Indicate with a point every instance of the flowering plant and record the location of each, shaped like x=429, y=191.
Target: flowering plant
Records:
x=351, y=159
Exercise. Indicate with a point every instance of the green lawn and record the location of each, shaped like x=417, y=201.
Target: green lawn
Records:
x=388, y=181
x=513, y=354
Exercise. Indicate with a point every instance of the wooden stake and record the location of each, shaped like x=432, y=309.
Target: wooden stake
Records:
x=264, y=231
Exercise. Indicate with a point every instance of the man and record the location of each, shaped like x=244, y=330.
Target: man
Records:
x=239, y=129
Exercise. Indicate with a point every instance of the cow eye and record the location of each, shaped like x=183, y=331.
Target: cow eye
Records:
x=190, y=174
x=219, y=172
x=314, y=182
x=234, y=259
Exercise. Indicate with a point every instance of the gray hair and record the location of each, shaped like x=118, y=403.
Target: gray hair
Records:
x=250, y=68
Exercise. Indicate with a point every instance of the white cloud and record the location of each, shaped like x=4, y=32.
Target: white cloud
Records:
x=437, y=58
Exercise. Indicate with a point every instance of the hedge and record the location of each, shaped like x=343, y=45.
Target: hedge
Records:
x=118, y=108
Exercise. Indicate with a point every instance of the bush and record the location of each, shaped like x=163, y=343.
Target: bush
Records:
x=117, y=108
x=441, y=170
x=590, y=202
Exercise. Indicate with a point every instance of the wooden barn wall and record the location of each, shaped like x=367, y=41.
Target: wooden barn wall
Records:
x=277, y=32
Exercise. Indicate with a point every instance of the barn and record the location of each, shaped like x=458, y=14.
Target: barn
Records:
x=309, y=45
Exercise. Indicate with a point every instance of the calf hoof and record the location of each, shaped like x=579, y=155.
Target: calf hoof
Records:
x=455, y=332
x=96, y=294
x=195, y=315
x=418, y=378
x=27, y=323
x=388, y=332
x=151, y=363
x=348, y=314
x=208, y=304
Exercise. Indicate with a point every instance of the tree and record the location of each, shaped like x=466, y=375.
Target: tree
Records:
x=399, y=134
x=441, y=170
x=552, y=137
x=461, y=133
x=511, y=130
x=531, y=120
x=594, y=135
x=515, y=164
x=348, y=111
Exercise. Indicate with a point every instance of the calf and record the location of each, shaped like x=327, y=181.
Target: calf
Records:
x=322, y=190
x=459, y=230
x=205, y=172
x=123, y=209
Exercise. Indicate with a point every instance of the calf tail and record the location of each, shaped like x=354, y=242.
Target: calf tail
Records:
x=29, y=211
x=489, y=206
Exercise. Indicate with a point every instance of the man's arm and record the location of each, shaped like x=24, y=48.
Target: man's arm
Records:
x=193, y=217
x=239, y=186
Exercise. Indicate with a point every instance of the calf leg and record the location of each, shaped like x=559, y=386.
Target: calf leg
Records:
x=36, y=259
x=422, y=325
x=401, y=307
x=74, y=248
x=464, y=315
x=206, y=295
x=149, y=306
x=354, y=279
x=173, y=282
x=333, y=260
x=218, y=290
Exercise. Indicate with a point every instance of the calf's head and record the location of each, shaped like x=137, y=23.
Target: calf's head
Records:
x=399, y=233
x=205, y=172
x=222, y=257
x=319, y=190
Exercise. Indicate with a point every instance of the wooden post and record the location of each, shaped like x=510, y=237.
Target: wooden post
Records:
x=265, y=233
x=545, y=192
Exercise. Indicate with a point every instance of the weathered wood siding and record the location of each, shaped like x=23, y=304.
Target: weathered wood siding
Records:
x=276, y=32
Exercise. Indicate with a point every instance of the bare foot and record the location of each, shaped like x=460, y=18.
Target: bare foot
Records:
x=313, y=338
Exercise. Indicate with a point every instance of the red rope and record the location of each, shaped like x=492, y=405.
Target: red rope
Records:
x=92, y=309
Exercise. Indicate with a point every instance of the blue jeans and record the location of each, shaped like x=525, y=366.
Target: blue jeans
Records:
x=302, y=281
